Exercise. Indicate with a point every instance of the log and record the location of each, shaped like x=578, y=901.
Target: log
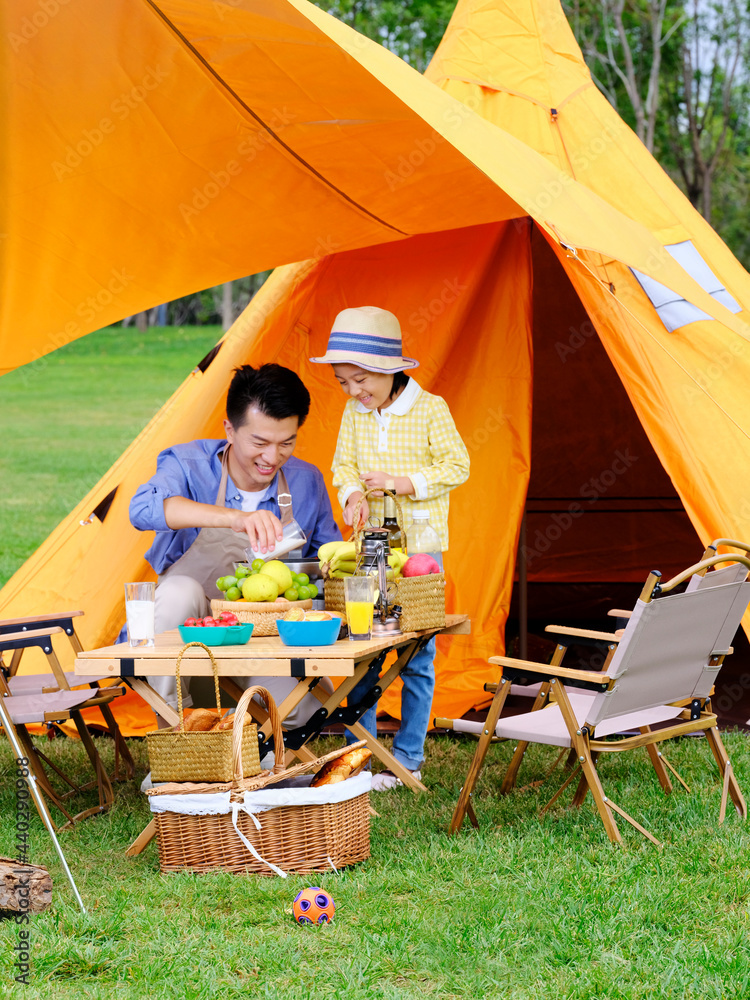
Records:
x=24, y=888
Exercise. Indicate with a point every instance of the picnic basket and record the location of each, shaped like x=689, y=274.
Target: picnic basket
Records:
x=421, y=598
x=247, y=826
x=263, y=614
x=177, y=755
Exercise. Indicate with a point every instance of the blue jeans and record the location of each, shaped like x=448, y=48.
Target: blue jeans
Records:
x=416, y=705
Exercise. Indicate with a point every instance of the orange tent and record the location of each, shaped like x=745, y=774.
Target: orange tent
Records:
x=445, y=199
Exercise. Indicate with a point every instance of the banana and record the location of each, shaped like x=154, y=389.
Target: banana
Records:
x=346, y=552
x=346, y=566
x=340, y=575
x=396, y=560
x=326, y=552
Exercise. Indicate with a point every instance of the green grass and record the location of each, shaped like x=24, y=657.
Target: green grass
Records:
x=65, y=419
x=521, y=909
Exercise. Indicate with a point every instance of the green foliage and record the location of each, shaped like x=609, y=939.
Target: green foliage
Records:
x=410, y=28
x=521, y=908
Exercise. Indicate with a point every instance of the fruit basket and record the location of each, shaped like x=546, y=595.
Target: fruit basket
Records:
x=263, y=614
x=421, y=598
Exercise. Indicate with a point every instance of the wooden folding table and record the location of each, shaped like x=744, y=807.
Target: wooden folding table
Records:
x=269, y=657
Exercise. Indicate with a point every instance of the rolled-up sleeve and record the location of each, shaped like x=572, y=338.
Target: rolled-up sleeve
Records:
x=147, y=505
x=450, y=457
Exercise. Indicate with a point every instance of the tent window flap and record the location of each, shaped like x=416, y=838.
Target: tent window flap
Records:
x=673, y=310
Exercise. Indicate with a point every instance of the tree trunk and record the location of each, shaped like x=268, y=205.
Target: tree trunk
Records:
x=141, y=322
x=227, y=305
x=24, y=888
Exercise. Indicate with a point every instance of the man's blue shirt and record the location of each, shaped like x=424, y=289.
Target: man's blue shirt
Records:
x=193, y=471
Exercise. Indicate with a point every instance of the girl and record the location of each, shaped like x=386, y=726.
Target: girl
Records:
x=393, y=430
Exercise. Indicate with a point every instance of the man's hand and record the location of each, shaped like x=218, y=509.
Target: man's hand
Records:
x=403, y=486
x=263, y=528
x=351, y=503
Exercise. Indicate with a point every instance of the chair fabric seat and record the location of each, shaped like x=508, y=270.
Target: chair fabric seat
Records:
x=30, y=708
x=547, y=725
x=24, y=684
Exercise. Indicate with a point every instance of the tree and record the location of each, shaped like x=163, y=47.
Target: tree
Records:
x=707, y=100
x=625, y=44
x=410, y=28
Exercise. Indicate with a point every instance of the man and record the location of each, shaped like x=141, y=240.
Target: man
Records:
x=211, y=499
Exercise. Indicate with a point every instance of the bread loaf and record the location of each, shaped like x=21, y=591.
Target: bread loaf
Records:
x=228, y=722
x=201, y=720
x=342, y=767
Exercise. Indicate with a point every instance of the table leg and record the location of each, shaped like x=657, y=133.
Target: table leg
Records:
x=334, y=700
x=155, y=701
x=143, y=839
x=387, y=758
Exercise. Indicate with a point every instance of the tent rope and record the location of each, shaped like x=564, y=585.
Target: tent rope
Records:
x=573, y=252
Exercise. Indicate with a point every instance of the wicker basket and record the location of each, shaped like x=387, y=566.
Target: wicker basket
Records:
x=262, y=614
x=422, y=598
x=303, y=838
x=176, y=755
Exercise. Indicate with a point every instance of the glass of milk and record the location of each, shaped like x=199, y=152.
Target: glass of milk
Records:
x=139, y=609
x=294, y=538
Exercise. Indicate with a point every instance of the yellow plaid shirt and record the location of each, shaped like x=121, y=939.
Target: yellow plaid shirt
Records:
x=416, y=437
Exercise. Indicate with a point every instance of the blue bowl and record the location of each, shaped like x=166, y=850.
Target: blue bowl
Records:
x=217, y=635
x=310, y=633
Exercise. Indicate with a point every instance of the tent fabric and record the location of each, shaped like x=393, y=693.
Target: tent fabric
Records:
x=445, y=199
x=348, y=145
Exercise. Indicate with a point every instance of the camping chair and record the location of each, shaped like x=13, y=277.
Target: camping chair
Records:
x=606, y=642
x=18, y=634
x=662, y=670
x=44, y=698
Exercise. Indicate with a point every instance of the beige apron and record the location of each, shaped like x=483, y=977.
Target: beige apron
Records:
x=212, y=554
x=215, y=550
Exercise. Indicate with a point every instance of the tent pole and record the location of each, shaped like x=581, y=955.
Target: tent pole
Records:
x=37, y=796
x=523, y=594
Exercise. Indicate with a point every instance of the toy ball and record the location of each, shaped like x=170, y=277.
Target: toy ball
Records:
x=313, y=906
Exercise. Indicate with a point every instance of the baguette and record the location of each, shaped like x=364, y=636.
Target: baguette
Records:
x=341, y=767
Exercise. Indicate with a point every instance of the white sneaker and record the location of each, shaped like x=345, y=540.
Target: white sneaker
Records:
x=386, y=780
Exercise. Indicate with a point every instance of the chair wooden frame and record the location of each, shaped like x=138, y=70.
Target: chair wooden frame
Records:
x=692, y=716
x=17, y=635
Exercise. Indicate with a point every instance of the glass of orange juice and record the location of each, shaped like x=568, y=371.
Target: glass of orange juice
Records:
x=359, y=593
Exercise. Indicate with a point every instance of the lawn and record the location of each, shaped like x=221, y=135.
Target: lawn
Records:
x=523, y=909
x=65, y=419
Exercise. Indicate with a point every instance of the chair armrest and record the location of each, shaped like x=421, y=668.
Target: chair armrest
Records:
x=518, y=669
x=619, y=613
x=584, y=633
x=13, y=640
x=8, y=624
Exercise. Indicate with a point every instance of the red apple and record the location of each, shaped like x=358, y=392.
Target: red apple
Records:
x=420, y=565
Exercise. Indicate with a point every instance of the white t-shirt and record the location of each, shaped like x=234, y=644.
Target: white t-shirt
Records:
x=251, y=501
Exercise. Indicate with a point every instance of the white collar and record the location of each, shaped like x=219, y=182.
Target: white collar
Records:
x=399, y=406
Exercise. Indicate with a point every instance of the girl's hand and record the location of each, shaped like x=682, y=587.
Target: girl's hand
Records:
x=376, y=480
x=351, y=503
x=402, y=485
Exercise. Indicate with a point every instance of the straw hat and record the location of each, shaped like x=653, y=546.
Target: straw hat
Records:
x=368, y=337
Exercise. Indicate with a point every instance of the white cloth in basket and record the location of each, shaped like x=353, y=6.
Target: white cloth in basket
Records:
x=293, y=792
